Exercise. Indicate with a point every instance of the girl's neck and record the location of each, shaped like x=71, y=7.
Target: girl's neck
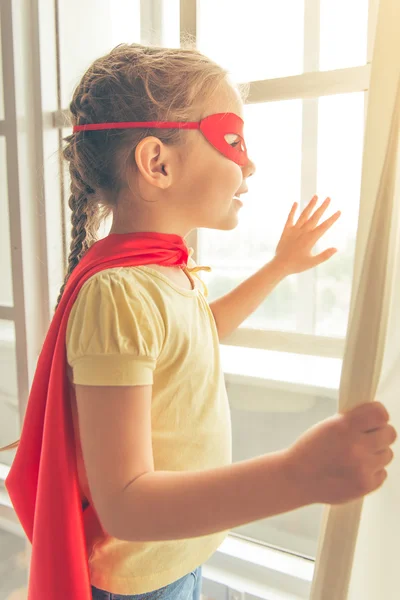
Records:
x=132, y=222
x=120, y=229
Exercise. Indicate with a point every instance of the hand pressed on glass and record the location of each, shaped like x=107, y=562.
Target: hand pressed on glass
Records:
x=293, y=251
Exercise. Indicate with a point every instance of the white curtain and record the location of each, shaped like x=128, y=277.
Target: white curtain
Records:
x=358, y=557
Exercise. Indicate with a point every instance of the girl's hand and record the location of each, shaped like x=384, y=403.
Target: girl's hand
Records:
x=293, y=251
x=344, y=457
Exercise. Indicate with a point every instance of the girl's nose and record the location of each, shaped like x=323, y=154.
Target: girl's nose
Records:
x=249, y=169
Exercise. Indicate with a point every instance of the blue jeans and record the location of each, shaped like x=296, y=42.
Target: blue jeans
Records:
x=186, y=588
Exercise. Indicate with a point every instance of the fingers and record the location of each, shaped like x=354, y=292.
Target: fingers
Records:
x=310, y=223
x=379, y=440
x=369, y=416
x=291, y=215
x=318, y=232
x=381, y=460
x=380, y=478
x=307, y=211
x=323, y=257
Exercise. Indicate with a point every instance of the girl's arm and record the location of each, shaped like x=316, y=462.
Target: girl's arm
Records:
x=293, y=255
x=232, y=309
x=333, y=462
x=135, y=502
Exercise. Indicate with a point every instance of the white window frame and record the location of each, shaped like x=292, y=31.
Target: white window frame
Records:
x=27, y=129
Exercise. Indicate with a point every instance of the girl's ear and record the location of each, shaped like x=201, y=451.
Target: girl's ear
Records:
x=153, y=161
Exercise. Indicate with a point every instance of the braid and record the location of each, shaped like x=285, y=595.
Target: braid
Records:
x=79, y=217
x=83, y=220
x=79, y=206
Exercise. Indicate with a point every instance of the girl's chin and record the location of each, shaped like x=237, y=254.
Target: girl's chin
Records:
x=227, y=224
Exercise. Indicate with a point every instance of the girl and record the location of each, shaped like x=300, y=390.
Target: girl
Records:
x=123, y=478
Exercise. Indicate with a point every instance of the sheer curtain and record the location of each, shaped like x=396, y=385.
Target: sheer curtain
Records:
x=358, y=546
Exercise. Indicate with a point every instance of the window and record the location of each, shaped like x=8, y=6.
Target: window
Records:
x=274, y=140
x=304, y=122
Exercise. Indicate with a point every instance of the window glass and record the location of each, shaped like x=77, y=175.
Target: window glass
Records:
x=343, y=35
x=264, y=40
x=273, y=133
x=340, y=149
x=117, y=22
x=266, y=420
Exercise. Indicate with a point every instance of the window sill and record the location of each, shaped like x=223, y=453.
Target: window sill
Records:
x=245, y=567
x=298, y=373
x=257, y=554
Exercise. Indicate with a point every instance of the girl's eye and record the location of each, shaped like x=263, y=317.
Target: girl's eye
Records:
x=234, y=140
x=238, y=143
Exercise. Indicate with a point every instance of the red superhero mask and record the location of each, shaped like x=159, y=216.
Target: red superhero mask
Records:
x=215, y=128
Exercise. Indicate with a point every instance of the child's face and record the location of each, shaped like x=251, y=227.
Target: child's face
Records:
x=209, y=180
x=180, y=188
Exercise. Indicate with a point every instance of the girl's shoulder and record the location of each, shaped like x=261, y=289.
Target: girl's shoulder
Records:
x=112, y=315
x=118, y=291
x=130, y=283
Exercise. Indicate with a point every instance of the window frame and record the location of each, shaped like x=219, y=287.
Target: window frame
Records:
x=31, y=237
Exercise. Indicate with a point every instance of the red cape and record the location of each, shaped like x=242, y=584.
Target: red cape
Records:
x=43, y=483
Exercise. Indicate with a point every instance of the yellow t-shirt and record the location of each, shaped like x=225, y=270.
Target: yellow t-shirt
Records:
x=133, y=326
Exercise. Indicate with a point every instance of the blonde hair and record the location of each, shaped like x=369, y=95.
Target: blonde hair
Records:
x=131, y=83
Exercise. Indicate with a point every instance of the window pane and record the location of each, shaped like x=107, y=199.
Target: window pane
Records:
x=275, y=146
x=6, y=295
x=344, y=27
x=273, y=134
x=257, y=432
x=108, y=23
x=264, y=40
x=340, y=149
x=170, y=23
x=9, y=419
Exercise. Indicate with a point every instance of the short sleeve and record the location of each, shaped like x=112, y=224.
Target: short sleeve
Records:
x=114, y=333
